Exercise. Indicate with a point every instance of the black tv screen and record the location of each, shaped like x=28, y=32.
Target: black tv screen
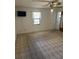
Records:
x=21, y=13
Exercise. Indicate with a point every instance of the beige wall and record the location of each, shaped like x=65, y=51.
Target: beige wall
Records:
x=25, y=24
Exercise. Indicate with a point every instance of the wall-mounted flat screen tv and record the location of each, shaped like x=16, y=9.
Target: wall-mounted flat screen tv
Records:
x=21, y=13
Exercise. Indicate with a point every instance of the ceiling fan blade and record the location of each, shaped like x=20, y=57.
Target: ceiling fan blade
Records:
x=58, y=6
x=45, y=1
x=59, y=3
x=48, y=4
x=53, y=4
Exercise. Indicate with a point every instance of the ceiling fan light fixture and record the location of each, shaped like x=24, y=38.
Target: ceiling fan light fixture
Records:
x=51, y=10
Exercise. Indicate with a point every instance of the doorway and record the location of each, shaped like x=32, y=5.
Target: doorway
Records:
x=58, y=20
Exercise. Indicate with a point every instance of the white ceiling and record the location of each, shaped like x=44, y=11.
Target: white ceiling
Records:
x=32, y=3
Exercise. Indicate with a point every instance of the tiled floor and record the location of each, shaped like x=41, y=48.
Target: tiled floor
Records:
x=41, y=45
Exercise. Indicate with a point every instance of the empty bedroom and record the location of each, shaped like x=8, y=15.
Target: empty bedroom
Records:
x=39, y=29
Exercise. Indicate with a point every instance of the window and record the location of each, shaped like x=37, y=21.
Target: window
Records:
x=59, y=14
x=36, y=17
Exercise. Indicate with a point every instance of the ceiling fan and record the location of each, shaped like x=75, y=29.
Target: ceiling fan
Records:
x=53, y=4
